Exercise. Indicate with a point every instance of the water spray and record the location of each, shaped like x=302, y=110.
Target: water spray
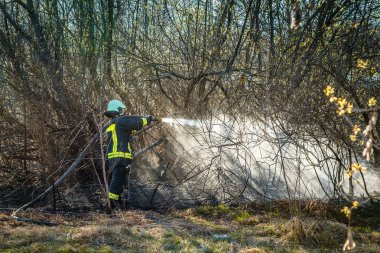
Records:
x=187, y=122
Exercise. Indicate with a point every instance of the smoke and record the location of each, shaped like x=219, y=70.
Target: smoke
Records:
x=229, y=158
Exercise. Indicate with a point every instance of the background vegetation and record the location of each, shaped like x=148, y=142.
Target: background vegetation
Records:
x=61, y=61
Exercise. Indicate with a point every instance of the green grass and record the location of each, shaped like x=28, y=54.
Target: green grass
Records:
x=206, y=229
x=242, y=216
x=365, y=229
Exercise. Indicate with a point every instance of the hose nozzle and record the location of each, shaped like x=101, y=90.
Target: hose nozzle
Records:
x=157, y=119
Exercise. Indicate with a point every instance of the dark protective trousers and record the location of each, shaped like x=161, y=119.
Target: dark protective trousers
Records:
x=120, y=170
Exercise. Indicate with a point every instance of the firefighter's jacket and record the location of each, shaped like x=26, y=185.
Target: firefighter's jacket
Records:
x=119, y=135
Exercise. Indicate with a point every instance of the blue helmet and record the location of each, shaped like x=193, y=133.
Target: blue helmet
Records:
x=114, y=108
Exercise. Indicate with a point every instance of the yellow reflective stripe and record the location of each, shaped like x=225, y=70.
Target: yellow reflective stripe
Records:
x=115, y=153
x=145, y=121
x=113, y=196
x=120, y=155
x=111, y=128
x=129, y=146
x=114, y=140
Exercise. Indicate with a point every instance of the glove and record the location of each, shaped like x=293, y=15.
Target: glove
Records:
x=157, y=119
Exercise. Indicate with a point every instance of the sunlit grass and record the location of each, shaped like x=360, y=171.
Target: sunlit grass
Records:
x=207, y=229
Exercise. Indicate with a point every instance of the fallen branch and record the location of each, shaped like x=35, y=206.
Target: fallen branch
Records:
x=154, y=144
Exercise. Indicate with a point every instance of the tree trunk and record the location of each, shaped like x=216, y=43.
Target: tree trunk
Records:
x=110, y=7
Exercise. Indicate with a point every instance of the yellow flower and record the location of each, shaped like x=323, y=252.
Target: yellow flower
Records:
x=358, y=167
x=372, y=101
x=349, y=173
x=356, y=129
x=362, y=64
x=328, y=90
x=349, y=108
x=346, y=211
x=353, y=137
x=341, y=102
x=355, y=166
x=355, y=204
x=333, y=99
x=340, y=112
x=373, y=72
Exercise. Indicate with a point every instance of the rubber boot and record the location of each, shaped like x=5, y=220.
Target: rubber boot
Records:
x=108, y=209
x=115, y=205
x=125, y=204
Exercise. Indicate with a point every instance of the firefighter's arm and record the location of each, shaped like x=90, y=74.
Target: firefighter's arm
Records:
x=146, y=121
x=150, y=119
x=133, y=123
x=136, y=123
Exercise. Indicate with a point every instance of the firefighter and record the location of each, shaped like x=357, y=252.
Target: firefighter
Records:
x=119, y=153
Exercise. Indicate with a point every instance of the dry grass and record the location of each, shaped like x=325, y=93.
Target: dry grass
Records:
x=210, y=229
